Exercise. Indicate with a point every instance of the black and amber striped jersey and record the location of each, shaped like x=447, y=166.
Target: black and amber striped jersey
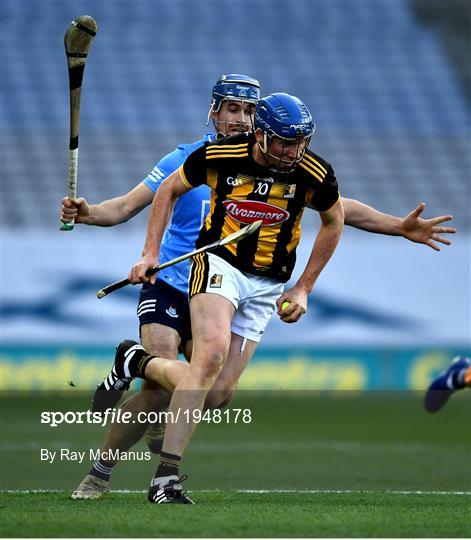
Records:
x=243, y=191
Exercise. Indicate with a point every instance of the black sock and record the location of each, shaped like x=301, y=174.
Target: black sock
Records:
x=141, y=365
x=136, y=359
x=102, y=469
x=169, y=465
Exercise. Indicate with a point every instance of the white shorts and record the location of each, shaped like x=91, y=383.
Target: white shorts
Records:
x=254, y=297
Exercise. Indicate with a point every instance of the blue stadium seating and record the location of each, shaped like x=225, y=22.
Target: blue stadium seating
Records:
x=389, y=108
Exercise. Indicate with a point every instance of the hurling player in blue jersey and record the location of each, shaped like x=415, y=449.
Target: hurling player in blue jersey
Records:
x=165, y=323
x=163, y=308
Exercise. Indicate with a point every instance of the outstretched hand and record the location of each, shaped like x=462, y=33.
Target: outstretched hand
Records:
x=426, y=231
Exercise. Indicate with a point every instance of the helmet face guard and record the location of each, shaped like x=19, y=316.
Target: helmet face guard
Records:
x=279, y=159
x=286, y=124
x=234, y=88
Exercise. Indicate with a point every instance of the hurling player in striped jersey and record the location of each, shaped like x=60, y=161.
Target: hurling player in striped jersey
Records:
x=163, y=307
x=323, y=193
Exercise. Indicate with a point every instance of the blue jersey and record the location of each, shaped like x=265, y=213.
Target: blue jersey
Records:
x=188, y=215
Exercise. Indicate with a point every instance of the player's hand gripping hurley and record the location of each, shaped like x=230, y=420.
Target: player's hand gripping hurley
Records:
x=231, y=239
x=77, y=41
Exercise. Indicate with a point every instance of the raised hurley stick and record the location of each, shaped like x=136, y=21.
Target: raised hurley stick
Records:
x=77, y=41
x=231, y=239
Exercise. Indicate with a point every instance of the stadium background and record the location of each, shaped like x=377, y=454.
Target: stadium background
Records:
x=388, y=84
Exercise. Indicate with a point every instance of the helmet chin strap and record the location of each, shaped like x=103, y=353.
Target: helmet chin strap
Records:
x=219, y=134
x=211, y=108
x=264, y=148
x=269, y=165
x=265, y=143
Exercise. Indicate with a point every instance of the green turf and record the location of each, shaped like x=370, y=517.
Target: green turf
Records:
x=226, y=514
x=370, y=444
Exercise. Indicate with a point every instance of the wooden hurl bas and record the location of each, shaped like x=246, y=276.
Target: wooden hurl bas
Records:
x=77, y=40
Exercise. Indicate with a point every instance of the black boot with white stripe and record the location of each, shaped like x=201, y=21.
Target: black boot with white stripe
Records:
x=109, y=392
x=168, y=490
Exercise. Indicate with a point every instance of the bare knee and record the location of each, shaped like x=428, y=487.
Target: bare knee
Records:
x=205, y=368
x=160, y=340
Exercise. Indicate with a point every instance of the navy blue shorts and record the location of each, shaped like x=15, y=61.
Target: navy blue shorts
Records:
x=163, y=304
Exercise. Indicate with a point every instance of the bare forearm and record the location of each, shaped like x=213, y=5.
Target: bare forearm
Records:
x=367, y=218
x=160, y=212
x=161, y=209
x=324, y=246
x=116, y=210
x=108, y=213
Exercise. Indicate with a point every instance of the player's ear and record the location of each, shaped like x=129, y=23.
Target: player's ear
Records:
x=259, y=135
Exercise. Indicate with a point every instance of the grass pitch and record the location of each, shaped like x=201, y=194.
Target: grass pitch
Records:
x=229, y=514
x=309, y=464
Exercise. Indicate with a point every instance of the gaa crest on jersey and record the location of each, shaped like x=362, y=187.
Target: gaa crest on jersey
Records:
x=239, y=180
x=249, y=211
x=289, y=191
x=231, y=181
x=215, y=281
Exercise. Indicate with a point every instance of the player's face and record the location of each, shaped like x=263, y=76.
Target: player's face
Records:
x=285, y=153
x=234, y=117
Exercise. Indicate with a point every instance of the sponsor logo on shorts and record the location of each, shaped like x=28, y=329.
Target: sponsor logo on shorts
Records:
x=215, y=281
x=171, y=311
x=250, y=211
